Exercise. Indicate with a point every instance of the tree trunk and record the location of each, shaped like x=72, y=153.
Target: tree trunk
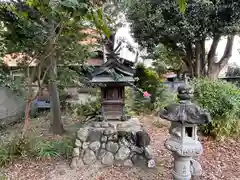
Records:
x=214, y=67
x=57, y=125
x=214, y=71
x=211, y=60
x=31, y=97
x=189, y=60
x=198, y=60
x=203, y=57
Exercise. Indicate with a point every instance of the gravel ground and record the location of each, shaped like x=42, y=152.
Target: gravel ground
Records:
x=220, y=161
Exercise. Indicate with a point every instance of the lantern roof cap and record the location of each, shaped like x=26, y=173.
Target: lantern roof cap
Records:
x=185, y=111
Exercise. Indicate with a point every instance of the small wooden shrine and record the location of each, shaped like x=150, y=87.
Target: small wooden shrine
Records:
x=112, y=77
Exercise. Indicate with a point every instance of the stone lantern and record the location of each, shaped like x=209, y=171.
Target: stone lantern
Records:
x=185, y=116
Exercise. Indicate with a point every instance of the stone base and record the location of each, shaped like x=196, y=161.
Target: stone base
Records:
x=121, y=143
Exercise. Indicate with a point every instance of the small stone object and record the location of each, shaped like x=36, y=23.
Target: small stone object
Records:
x=128, y=163
x=151, y=163
x=138, y=160
x=142, y=139
x=82, y=134
x=104, y=139
x=108, y=131
x=136, y=149
x=113, y=137
x=104, y=124
x=99, y=118
x=124, y=142
x=76, y=152
x=112, y=146
x=103, y=145
x=148, y=152
x=96, y=125
x=78, y=143
x=124, y=118
x=76, y=163
x=110, y=138
x=89, y=157
x=108, y=159
x=94, y=135
x=122, y=134
x=135, y=159
x=122, y=153
x=111, y=125
x=85, y=145
x=95, y=146
x=132, y=154
x=102, y=153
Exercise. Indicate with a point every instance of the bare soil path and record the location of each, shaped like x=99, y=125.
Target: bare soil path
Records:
x=220, y=161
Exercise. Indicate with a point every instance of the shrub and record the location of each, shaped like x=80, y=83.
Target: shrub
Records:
x=222, y=100
x=22, y=147
x=148, y=80
x=54, y=148
x=16, y=147
x=91, y=107
x=5, y=157
x=17, y=86
x=164, y=98
x=129, y=100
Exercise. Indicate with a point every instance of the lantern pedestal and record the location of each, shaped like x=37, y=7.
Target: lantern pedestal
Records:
x=181, y=169
x=183, y=150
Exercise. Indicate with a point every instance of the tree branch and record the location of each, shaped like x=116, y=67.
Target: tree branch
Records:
x=203, y=56
x=227, y=53
x=213, y=49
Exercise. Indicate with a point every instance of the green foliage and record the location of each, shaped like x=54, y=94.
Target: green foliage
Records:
x=155, y=22
x=97, y=17
x=164, y=59
x=149, y=81
x=47, y=149
x=161, y=22
x=90, y=108
x=26, y=147
x=164, y=98
x=55, y=148
x=222, y=100
x=129, y=100
x=7, y=81
x=5, y=157
x=33, y=26
x=17, y=147
x=233, y=71
x=182, y=5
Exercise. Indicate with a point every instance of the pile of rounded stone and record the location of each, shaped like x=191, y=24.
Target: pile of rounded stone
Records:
x=121, y=143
